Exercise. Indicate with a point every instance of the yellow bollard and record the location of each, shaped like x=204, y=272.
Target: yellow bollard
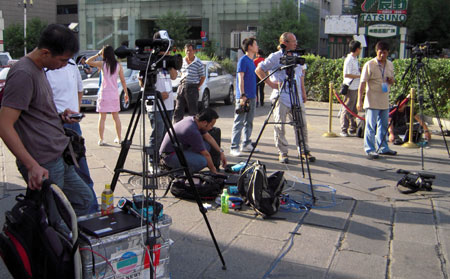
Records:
x=330, y=134
x=410, y=143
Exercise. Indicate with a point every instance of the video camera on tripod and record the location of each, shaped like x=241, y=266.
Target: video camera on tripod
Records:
x=426, y=49
x=294, y=58
x=146, y=57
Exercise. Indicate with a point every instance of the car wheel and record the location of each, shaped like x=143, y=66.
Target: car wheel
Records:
x=124, y=105
x=204, y=104
x=230, y=97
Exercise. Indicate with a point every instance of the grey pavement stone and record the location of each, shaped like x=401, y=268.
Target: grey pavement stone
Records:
x=442, y=208
x=313, y=247
x=247, y=257
x=417, y=205
x=334, y=218
x=350, y=264
x=368, y=236
x=414, y=260
x=288, y=270
x=415, y=228
x=444, y=248
x=375, y=210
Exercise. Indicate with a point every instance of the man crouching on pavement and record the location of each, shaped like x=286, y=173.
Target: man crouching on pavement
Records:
x=192, y=133
x=29, y=122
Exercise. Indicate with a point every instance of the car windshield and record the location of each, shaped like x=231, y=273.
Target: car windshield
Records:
x=4, y=73
x=3, y=59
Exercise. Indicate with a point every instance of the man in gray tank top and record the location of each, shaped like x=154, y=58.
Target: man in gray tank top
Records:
x=30, y=124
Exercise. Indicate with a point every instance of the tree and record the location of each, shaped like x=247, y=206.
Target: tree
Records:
x=13, y=36
x=284, y=18
x=429, y=21
x=176, y=25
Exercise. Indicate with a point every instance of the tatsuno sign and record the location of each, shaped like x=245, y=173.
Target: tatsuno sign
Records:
x=387, y=10
x=382, y=30
x=383, y=17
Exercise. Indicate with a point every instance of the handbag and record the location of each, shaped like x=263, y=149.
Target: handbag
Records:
x=344, y=88
x=75, y=150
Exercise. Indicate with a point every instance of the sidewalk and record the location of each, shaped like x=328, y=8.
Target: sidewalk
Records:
x=372, y=231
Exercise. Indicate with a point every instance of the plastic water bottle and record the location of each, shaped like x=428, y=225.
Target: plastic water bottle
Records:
x=224, y=201
x=107, y=205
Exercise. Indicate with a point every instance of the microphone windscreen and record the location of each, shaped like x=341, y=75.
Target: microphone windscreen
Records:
x=141, y=43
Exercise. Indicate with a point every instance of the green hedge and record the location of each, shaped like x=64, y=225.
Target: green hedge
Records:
x=321, y=71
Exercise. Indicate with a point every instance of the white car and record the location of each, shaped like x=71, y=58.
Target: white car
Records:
x=218, y=85
x=91, y=86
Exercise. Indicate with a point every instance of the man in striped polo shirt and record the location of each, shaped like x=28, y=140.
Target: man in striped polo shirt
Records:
x=192, y=78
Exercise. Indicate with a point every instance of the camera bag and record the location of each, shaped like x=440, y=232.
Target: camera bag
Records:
x=40, y=236
x=344, y=88
x=75, y=150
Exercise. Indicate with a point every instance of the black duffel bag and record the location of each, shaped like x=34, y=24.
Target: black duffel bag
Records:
x=208, y=186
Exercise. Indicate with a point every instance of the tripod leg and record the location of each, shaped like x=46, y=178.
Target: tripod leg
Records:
x=126, y=144
x=182, y=159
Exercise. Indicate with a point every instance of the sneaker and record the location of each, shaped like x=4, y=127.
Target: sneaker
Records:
x=235, y=153
x=343, y=134
x=372, y=155
x=389, y=152
x=307, y=155
x=100, y=143
x=249, y=148
x=117, y=140
x=352, y=132
x=283, y=158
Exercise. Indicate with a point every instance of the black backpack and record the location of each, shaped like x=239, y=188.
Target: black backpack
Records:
x=262, y=193
x=208, y=187
x=40, y=237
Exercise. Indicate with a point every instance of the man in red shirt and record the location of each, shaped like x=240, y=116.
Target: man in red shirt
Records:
x=259, y=58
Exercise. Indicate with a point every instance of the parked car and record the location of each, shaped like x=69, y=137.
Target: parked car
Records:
x=91, y=86
x=218, y=85
x=4, y=58
x=3, y=75
x=87, y=54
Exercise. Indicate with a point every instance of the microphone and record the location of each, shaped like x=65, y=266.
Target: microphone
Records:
x=123, y=52
x=142, y=43
x=127, y=206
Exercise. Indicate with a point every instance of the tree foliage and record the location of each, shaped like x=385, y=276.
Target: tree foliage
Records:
x=429, y=21
x=13, y=36
x=176, y=25
x=284, y=18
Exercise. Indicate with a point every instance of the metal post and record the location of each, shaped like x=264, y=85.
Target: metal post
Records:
x=330, y=133
x=24, y=27
x=410, y=143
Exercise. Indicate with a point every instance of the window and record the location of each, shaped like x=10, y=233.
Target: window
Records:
x=66, y=9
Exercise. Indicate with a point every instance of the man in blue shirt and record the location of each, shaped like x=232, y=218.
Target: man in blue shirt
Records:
x=245, y=99
x=282, y=109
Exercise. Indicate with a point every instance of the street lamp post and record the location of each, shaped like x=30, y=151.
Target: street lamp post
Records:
x=25, y=2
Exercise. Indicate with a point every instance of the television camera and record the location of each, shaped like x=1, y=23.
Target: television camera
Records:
x=426, y=49
x=147, y=58
x=292, y=57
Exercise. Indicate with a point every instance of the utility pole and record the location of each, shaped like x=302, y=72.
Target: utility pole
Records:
x=25, y=2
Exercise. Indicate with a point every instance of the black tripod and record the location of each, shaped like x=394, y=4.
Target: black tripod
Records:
x=418, y=69
x=150, y=181
x=297, y=119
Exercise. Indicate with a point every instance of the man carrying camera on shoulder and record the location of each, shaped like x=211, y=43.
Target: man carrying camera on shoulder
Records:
x=245, y=99
x=288, y=41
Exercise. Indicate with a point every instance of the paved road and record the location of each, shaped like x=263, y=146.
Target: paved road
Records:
x=369, y=230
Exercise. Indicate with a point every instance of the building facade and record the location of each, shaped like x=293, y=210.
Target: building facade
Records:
x=13, y=11
x=112, y=21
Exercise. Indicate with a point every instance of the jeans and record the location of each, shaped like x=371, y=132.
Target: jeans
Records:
x=64, y=175
x=196, y=161
x=243, y=121
x=187, y=97
x=159, y=129
x=83, y=171
x=376, y=127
